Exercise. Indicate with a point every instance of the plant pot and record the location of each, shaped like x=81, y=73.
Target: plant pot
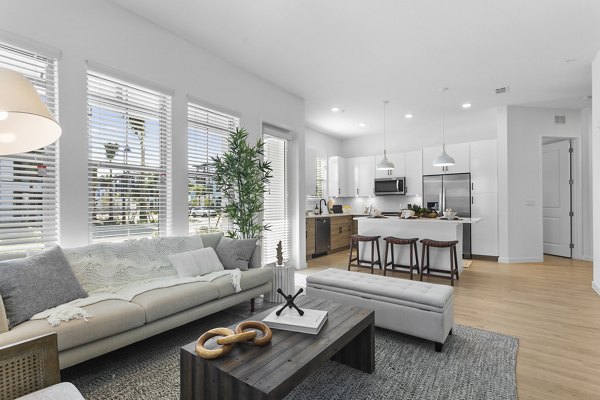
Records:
x=283, y=277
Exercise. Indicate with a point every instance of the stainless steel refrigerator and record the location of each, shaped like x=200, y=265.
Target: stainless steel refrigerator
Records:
x=450, y=191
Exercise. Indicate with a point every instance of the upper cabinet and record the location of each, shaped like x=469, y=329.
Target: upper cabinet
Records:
x=337, y=177
x=397, y=159
x=360, y=175
x=484, y=166
x=310, y=171
x=460, y=153
x=413, y=168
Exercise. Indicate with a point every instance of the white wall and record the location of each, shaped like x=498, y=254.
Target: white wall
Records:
x=596, y=166
x=587, y=207
x=104, y=33
x=520, y=187
x=474, y=125
x=322, y=144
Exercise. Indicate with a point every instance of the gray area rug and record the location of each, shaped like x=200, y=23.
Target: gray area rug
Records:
x=475, y=364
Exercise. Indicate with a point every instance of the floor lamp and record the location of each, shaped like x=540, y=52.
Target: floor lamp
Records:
x=26, y=124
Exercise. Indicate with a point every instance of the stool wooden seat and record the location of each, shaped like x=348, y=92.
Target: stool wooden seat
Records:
x=450, y=244
x=390, y=241
x=354, y=241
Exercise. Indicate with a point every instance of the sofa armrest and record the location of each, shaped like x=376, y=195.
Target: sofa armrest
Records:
x=3, y=318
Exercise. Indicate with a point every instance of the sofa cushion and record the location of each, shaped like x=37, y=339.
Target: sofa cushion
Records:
x=212, y=239
x=160, y=303
x=196, y=262
x=236, y=253
x=34, y=284
x=250, y=279
x=109, y=317
x=256, y=259
x=60, y=391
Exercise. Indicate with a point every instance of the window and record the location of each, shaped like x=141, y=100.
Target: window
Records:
x=208, y=131
x=129, y=159
x=276, y=207
x=321, y=178
x=28, y=181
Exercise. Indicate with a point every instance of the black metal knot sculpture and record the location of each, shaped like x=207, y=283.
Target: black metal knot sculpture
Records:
x=289, y=301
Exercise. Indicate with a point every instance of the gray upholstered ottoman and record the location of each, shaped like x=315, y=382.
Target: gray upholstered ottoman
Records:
x=416, y=308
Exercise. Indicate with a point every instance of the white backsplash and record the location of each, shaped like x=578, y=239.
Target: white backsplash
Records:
x=383, y=203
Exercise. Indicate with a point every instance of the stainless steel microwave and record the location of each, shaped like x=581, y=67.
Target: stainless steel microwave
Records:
x=388, y=186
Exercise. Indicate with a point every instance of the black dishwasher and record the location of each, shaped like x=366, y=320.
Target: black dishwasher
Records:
x=322, y=236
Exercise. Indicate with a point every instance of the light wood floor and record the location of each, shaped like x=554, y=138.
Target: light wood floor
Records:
x=552, y=309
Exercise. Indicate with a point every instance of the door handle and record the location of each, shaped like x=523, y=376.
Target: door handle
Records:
x=472, y=200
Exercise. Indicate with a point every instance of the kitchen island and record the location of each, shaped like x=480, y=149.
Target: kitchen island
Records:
x=422, y=228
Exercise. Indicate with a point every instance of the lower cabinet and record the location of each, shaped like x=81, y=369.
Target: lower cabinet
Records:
x=310, y=237
x=341, y=229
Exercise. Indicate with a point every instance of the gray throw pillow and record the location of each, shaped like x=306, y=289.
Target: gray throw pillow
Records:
x=235, y=253
x=34, y=284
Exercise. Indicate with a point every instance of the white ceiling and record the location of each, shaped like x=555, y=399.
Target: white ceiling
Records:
x=355, y=53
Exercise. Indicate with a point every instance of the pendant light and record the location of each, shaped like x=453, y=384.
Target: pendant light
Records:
x=384, y=164
x=444, y=160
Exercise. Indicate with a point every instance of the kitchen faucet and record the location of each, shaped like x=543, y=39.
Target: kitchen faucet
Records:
x=321, y=209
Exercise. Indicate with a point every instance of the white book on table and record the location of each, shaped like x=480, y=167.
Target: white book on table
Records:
x=289, y=320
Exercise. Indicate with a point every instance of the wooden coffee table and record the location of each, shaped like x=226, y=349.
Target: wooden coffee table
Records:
x=272, y=371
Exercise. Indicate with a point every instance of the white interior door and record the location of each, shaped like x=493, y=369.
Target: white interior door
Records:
x=556, y=173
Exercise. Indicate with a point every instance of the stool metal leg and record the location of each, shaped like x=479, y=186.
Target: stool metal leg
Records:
x=411, y=262
x=385, y=259
x=455, y=262
x=423, y=265
x=451, y=268
x=372, y=256
x=350, y=256
x=379, y=254
x=416, y=256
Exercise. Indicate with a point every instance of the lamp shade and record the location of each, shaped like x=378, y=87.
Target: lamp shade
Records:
x=25, y=122
x=444, y=160
x=385, y=164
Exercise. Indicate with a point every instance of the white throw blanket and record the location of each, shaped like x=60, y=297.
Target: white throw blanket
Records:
x=74, y=310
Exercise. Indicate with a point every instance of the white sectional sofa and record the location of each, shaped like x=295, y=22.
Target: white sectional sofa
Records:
x=118, y=323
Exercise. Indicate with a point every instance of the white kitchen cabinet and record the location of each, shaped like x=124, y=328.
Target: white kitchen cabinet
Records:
x=360, y=175
x=397, y=159
x=366, y=180
x=337, y=173
x=413, y=171
x=484, y=234
x=310, y=171
x=460, y=153
x=484, y=166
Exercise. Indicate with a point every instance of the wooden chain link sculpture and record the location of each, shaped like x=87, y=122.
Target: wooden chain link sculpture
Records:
x=229, y=338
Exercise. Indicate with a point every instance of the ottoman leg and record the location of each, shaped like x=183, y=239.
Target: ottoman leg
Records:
x=439, y=347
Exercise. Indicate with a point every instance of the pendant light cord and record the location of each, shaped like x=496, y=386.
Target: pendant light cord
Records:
x=443, y=119
x=384, y=140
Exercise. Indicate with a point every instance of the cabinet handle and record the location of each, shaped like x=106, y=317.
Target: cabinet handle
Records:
x=357, y=191
x=339, y=191
x=340, y=229
x=472, y=200
x=472, y=186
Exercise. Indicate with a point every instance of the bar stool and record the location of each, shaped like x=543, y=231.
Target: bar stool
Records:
x=427, y=243
x=355, y=240
x=390, y=241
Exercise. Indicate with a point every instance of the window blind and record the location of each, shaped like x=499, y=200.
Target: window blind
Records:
x=129, y=159
x=208, y=131
x=29, y=181
x=321, y=166
x=276, y=206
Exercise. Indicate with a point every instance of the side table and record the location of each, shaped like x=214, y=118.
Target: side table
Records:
x=283, y=277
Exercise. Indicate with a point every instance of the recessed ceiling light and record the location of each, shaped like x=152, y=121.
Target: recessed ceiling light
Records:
x=408, y=116
x=466, y=105
x=336, y=109
x=362, y=124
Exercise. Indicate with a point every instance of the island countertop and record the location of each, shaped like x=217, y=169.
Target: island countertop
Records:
x=395, y=220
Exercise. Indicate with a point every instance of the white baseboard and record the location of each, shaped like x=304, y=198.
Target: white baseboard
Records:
x=506, y=260
x=588, y=258
x=596, y=287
